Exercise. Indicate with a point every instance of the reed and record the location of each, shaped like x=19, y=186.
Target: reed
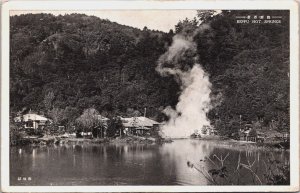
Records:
x=275, y=172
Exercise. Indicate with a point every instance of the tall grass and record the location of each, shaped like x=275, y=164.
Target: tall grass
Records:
x=275, y=172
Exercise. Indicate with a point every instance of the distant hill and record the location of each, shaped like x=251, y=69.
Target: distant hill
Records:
x=249, y=67
x=86, y=62
x=77, y=61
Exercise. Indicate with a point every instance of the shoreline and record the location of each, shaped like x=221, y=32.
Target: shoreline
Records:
x=227, y=143
x=49, y=140
x=244, y=145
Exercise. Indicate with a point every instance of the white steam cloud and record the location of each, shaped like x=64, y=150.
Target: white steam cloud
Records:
x=194, y=101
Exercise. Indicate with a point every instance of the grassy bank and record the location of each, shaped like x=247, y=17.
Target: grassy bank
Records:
x=247, y=145
x=48, y=140
x=225, y=143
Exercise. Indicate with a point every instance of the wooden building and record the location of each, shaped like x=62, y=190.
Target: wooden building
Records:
x=139, y=125
x=32, y=121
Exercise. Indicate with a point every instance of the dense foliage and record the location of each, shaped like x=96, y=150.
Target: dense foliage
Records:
x=249, y=68
x=78, y=61
x=73, y=62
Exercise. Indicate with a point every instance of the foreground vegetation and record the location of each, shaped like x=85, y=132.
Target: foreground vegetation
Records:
x=275, y=172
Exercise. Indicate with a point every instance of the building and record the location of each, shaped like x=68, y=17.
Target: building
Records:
x=208, y=130
x=248, y=133
x=139, y=125
x=32, y=121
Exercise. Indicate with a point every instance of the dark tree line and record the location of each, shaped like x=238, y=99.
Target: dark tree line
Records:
x=249, y=66
x=66, y=64
x=75, y=62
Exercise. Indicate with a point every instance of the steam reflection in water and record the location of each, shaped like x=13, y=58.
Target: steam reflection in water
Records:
x=125, y=164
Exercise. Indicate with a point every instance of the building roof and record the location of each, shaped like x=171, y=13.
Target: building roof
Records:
x=138, y=122
x=30, y=116
x=270, y=133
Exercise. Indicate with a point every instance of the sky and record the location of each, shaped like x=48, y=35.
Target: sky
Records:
x=162, y=20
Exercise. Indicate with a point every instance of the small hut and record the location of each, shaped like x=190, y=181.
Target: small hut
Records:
x=139, y=125
x=32, y=121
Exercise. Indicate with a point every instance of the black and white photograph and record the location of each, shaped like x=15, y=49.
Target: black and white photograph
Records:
x=151, y=97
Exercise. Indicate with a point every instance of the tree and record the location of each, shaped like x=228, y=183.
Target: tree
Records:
x=186, y=27
x=89, y=120
x=130, y=112
x=204, y=130
x=48, y=100
x=70, y=115
x=56, y=114
x=115, y=127
x=205, y=15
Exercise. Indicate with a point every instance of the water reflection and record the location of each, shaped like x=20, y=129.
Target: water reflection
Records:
x=179, y=153
x=127, y=164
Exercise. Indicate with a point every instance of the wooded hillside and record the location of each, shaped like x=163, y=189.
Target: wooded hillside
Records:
x=82, y=61
x=72, y=62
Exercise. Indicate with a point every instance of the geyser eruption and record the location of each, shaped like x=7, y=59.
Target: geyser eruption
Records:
x=194, y=101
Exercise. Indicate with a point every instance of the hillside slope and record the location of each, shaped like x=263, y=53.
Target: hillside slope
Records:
x=82, y=61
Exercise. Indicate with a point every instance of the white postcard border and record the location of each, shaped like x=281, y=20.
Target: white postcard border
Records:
x=132, y=5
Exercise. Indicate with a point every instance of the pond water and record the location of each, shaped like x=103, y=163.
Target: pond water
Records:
x=132, y=164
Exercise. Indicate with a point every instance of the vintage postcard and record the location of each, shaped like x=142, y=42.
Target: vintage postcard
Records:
x=149, y=96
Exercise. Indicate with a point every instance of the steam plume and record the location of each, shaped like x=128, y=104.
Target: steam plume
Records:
x=191, y=111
